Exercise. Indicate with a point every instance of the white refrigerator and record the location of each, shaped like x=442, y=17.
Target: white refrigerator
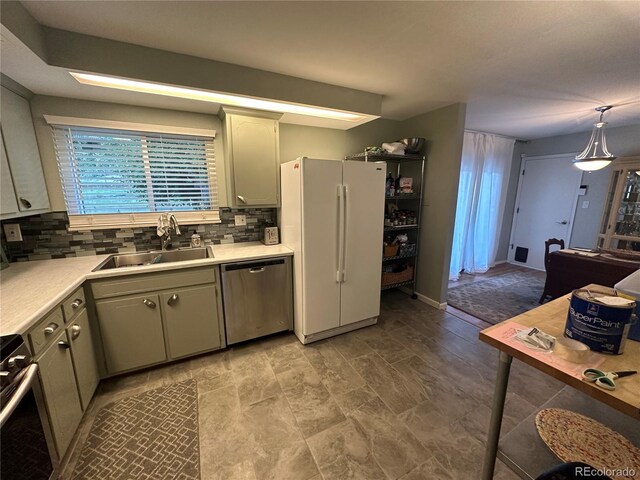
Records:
x=332, y=217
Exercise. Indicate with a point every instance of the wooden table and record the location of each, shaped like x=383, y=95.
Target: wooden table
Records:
x=551, y=318
x=567, y=272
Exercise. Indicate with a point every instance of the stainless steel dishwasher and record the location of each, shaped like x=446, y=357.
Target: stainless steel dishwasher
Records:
x=258, y=298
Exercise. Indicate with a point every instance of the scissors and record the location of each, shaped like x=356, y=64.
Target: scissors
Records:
x=605, y=379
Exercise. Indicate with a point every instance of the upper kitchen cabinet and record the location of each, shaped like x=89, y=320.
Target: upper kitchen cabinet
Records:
x=253, y=159
x=22, y=159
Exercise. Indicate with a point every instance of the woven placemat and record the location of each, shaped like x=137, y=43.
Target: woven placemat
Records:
x=576, y=438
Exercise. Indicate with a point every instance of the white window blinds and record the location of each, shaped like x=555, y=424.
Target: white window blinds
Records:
x=121, y=177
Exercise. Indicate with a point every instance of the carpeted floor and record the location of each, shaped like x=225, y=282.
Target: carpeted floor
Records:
x=153, y=435
x=499, y=297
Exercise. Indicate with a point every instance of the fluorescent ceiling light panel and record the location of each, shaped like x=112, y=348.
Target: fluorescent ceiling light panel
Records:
x=214, y=97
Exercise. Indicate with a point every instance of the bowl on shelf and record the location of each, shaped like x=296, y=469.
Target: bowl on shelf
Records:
x=413, y=145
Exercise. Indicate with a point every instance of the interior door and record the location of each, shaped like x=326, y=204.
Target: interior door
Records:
x=545, y=209
x=364, y=222
x=320, y=182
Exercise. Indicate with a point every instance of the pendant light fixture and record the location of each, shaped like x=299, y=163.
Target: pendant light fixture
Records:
x=596, y=155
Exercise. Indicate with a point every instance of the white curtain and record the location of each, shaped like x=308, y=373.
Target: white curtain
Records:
x=484, y=175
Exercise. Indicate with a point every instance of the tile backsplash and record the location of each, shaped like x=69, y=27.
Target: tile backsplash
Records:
x=47, y=236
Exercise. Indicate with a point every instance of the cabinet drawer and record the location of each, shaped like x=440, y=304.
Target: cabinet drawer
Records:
x=130, y=284
x=45, y=330
x=74, y=304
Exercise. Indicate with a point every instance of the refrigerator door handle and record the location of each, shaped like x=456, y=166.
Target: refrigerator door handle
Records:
x=345, y=220
x=340, y=234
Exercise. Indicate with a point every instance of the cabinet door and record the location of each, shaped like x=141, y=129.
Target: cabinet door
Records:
x=60, y=391
x=131, y=330
x=84, y=357
x=8, y=203
x=254, y=154
x=191, y=320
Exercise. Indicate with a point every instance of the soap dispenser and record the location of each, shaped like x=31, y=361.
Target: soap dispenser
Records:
x=196, y=240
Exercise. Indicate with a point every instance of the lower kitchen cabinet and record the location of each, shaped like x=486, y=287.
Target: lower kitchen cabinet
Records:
x=131, y=330
x=60, y=391
x=191, y=319
x=157, y=317
x=84, y=357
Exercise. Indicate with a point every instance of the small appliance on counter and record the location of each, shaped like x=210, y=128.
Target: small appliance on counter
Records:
x=270, y=235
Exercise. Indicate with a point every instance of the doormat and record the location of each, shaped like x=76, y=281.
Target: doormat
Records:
x=576, y=438
x=152, y=435
x=499, y=298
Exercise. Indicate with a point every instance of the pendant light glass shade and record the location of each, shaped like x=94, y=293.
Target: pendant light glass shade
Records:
x=596, y=155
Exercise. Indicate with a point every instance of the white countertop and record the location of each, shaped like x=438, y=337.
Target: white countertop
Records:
x=29, y=290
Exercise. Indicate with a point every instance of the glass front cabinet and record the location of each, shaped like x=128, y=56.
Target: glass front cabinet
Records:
x=621, y=217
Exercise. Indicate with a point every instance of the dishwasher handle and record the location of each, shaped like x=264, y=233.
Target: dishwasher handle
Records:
x=253, y=267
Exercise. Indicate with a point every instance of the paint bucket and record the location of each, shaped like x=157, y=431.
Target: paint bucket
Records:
x=602, y=327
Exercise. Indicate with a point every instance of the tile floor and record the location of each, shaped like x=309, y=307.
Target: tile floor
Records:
x=408, y=398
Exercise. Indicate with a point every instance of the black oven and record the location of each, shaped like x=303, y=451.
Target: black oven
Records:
x=25, y=452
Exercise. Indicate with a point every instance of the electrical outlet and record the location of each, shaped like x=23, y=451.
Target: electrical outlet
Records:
x=585, y=204
x=241, y=220
x=228, y=238
x=12, y=232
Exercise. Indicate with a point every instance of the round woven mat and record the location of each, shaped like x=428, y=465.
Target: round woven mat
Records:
x=576, y=438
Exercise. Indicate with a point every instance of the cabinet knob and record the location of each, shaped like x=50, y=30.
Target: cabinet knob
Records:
x=49, y=329
x=76, y=303
x=242, y=199
x=63, y=344
x=25, y=202
x=75, y=331
x=149, y=303
x=172, y=299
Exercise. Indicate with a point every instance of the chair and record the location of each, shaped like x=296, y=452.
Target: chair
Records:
x=547, y=244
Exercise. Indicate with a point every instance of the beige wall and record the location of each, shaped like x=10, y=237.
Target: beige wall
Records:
x=313, y=142
x=444, y=130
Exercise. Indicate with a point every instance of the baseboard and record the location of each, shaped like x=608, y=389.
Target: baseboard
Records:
x=500, y=262
x=424, y=299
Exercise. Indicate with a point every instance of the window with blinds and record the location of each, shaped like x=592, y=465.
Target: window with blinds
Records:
x=120, y=177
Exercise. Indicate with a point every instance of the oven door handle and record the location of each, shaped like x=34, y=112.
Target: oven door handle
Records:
x=26, y=381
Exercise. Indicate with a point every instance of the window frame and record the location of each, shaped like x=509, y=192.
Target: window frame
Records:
x=139, y=219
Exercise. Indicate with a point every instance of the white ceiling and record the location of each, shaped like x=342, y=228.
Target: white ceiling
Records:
x=526, y=69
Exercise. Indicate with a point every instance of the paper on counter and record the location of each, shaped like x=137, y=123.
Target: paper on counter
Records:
x=506, y=333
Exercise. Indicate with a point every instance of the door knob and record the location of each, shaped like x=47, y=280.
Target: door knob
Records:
x=25, y=202
x=149, y=303
x=242, y=199
x=63, y=344
x=76, y=303
x=75, y=331
x=172, y=299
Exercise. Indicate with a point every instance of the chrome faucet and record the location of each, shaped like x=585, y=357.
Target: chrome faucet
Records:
x=172, y=227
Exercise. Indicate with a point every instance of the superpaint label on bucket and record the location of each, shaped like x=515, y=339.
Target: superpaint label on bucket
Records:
x=603, y=328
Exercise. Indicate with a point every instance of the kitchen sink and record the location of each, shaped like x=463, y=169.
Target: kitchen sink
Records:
x=153, y=258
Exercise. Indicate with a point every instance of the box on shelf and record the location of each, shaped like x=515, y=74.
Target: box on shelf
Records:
x=407, y=249
x=391, y=250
